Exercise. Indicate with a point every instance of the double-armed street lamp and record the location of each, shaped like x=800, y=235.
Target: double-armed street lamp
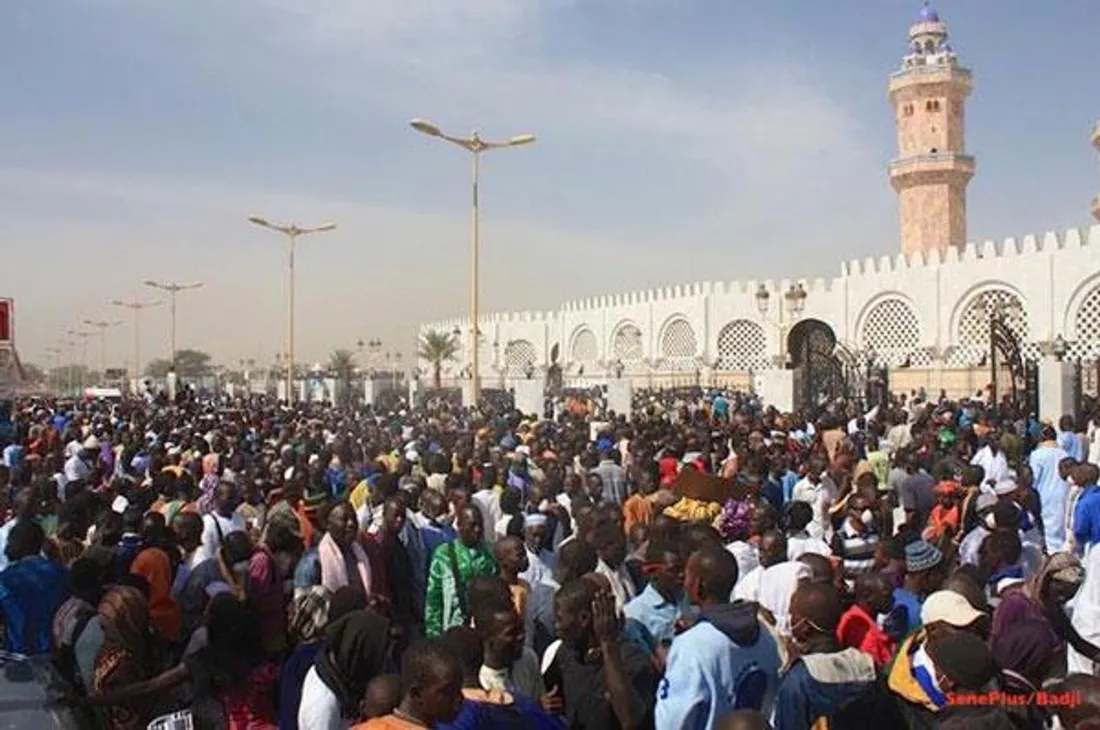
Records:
x=794, y=300
x=292, y=232
x=173, y=288
x=102, y=326
x=475, y=145
x=136, y=307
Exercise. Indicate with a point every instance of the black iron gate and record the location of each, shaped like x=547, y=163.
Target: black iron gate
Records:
x=1012, y=379
x=1086, y=379
x=822, y=375
x=1078, y=392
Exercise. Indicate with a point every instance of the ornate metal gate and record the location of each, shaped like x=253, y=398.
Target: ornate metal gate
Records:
x=1012, y=379
x=823, y=376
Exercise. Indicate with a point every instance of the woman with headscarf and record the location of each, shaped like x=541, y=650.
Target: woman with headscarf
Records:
x=155, y=566
x=209, y=483
x=124, y=657
x=1024, y=653
x=1043, y=596
x=352, y=654
x=271, y=564
x=309, y=613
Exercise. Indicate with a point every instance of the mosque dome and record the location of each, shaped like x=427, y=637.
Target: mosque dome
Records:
x=928, y=15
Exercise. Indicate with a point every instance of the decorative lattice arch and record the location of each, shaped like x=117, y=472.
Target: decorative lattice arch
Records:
x=626, y=344
x=585, y=348
x=518, y=355
x=1086, y=321
x=972, y=330
x=891, y=328
x=742, y=345
x=679, y=347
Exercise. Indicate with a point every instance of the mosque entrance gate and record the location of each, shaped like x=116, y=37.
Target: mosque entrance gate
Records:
x=822, y=376
x=1011, y=378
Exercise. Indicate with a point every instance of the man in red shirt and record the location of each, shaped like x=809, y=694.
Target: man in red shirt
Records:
x=859, y=628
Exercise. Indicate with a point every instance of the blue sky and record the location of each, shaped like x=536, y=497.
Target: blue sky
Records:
x=679, y=140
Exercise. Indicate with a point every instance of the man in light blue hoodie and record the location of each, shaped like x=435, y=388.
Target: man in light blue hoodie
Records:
x=727, y=661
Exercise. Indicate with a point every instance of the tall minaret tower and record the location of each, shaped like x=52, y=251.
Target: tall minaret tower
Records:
x=932, y=168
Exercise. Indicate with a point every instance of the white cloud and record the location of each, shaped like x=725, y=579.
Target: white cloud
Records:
x=763, y=128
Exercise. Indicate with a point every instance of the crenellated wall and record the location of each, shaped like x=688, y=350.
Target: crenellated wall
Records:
x=927, y=307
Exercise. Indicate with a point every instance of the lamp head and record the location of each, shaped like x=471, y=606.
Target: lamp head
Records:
x=257, y=220
x=521, y=139
x=763, y=297
x=1059, y=347
x=325, y=227
x=425, y=126
x=796, y=298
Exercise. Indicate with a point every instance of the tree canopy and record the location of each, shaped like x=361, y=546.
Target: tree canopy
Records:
x=189, y=364
x=437, y=348
x=342, y=364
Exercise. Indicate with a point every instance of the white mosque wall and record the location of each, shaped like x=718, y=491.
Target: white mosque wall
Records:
x=920, y=310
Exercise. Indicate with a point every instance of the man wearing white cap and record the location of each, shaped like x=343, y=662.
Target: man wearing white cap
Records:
x=951, y=608
x=78, y=467
x=540, y=561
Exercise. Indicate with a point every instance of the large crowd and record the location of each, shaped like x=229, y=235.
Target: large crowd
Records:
x=701, y=562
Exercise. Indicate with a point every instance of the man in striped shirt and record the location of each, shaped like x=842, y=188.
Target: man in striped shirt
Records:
x=854, y=542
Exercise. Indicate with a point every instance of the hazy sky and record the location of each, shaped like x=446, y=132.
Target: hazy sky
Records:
x=679, y=140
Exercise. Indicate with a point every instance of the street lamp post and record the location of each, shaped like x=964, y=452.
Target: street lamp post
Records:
x=83, y=336
x=292, y=232
x=54, y=381
x=475, y=145
x=68, y=346
x=173, y=288
x=102, y=326
x=795, y=300
x=374, y=347
x=136, y=308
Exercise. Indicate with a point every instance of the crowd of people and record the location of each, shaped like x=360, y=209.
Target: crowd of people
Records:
x=927, y=564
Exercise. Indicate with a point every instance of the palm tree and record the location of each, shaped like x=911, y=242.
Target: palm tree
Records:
x=437, y=348
x=341, y=363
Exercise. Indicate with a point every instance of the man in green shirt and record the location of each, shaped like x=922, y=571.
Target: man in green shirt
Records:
x=452, y=566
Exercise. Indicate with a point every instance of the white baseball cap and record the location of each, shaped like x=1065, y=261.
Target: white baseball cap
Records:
x=949, y=607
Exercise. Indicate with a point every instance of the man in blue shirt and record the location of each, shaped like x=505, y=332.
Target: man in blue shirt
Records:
x=727, y=661
x=1052, y=488
x=1068, y=440
x=662, y=603
x=32, y=588
x=924, y=574
x=1086, y=515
